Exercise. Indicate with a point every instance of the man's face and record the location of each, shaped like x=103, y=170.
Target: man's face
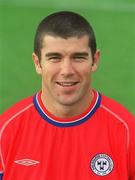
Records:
x=65, y=67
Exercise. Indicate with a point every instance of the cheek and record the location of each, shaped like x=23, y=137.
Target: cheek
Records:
x=49, y=72
x=86, y=75
x=85, y=71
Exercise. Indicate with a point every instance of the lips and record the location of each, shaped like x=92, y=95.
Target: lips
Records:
x=67, y=84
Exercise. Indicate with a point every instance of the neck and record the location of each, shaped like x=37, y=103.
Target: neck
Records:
x=67, y=111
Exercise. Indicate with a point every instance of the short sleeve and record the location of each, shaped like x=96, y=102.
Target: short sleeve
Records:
x=131, y=153
x=1, y=175
x=1, y=170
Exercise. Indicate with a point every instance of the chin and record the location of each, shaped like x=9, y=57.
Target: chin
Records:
x=66, y=101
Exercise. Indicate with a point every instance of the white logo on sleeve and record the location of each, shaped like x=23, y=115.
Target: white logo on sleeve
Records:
x=102, y=164
x=26, y=162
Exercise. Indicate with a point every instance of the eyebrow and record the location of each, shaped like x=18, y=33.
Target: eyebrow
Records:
x=52, y=54
x=74, y=54
x=80, y=54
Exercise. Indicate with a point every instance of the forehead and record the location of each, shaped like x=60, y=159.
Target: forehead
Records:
x=51, y=43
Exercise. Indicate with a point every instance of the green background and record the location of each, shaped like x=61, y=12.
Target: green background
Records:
x=114, y=25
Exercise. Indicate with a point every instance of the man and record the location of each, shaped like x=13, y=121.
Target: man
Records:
x=67, y=131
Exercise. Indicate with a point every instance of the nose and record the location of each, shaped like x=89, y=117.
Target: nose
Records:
x=67, y=68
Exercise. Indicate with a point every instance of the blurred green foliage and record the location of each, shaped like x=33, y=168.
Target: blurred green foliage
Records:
x=114, y=26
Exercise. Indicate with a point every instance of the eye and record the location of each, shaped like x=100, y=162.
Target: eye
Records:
x=80, y=58
x=54, y=58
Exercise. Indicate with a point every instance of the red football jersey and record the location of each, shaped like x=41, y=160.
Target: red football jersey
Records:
x=97, y=144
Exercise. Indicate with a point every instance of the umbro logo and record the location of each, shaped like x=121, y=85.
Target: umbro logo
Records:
x=27, y=162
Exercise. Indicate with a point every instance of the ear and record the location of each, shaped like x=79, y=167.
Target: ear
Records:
x=36, y=63
x=95, y=63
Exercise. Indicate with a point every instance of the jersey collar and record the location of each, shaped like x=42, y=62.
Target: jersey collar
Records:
x=77, y=120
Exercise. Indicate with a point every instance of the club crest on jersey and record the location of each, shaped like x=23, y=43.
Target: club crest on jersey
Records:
x=102, y=164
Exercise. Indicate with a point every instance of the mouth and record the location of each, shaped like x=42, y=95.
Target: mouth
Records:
x=67, y=84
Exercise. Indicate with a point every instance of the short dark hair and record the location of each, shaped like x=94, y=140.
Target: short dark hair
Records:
x=64, y=24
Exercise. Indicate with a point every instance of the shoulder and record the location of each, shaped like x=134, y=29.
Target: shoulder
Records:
x=18, y=108
x=117, y=110
x=118, y=114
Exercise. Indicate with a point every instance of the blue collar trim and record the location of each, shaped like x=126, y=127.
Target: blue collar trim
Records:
x=66, y=124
